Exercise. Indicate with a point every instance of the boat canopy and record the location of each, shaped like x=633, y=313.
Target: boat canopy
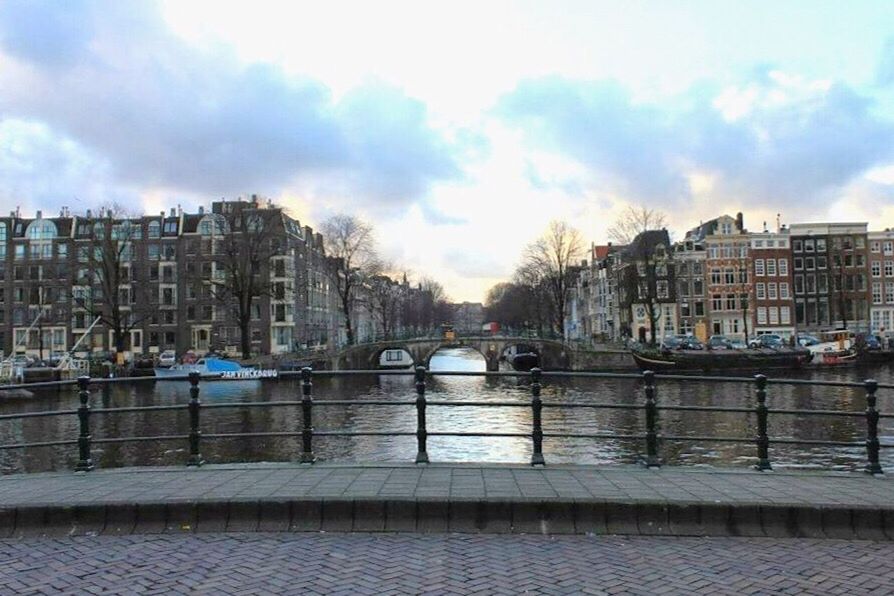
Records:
x=216, y=365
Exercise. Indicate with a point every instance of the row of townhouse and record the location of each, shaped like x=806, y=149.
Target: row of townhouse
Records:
x=169, y=270
x=721, y=279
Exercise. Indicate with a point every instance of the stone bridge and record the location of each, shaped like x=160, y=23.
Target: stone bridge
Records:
x=554, y=355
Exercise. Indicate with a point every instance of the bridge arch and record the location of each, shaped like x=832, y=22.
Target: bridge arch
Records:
x=491, y=363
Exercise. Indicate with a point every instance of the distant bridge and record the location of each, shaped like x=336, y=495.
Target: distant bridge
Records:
x=554, y=355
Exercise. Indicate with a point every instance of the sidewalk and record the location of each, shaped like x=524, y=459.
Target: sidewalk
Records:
x=449, y=498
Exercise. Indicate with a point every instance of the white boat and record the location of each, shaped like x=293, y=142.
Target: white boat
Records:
x=210, y=368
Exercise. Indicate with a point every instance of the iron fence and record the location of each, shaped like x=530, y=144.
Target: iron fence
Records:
x=650, y=405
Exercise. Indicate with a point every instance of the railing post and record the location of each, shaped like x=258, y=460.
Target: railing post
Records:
x=85, y=462
x=652, y=460
x=195, y=435
x=421, y=428
x=537, y=411
x=763, y=441
x=307, y=430
x=872, y=445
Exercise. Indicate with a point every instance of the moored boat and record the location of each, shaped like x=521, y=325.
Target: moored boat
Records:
x=707, y=360
x=211, y=368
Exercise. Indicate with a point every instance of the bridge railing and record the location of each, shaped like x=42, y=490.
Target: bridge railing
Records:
x=650, y=404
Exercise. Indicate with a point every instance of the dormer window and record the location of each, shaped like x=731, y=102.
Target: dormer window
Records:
x=154, y=229
x=726, y=228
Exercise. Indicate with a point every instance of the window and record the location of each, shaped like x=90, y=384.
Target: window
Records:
x=154, y=229
x=20, y=252
x=698, y=287
x=759, y=243
x=783, y=291
x=699, y=309
x=889, y=292
x=821, y=245
x=811, y=284
x=821, y=262
x=889, y=268
x=760, y=291
x=683, y=288
x=808, y=246
x=771, y=266
x=799, y=263
x=875, y=246
x=715, y=277
x=2, y=231
x=771, y=291
x=153, y=251
x=729, y=276
x=759, y=267
x=661, y=270
x=207, y=312
x=860, y=242
x=726, y=228
x=799, y=284
x=716, y=302
x=785, y=315
x=797, y=246
x=809, y=264
x=774, y=315
x=761, y=315
x=877, y=292
x=190, y=312
x=41, y=229
x=171, y=227
x=730, y=302
x=661, y=289
x=170, y=251
x=783, y=267
x=168, y=317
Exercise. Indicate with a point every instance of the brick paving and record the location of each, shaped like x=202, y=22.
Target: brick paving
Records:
x=628, y=484
x=281, y=563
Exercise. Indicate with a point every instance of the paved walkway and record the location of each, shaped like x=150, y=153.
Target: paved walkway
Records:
x=439, y=498
x=387, y=564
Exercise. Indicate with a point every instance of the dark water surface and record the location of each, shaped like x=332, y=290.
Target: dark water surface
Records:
x=469, y=419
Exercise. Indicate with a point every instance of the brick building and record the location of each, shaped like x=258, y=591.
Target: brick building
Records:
x=168, y=267
x=830, y=268
x=771, y=256
x=881, y=274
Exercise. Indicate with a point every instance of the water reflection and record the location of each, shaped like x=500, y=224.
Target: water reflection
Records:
x=497, y=419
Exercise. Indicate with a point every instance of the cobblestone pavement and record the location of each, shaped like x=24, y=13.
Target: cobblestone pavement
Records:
x=623, y=483
x=441, y=564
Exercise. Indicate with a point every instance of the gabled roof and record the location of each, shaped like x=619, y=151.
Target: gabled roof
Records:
x=646, y=241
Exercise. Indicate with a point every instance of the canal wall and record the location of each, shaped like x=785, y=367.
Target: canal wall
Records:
x=595, y=360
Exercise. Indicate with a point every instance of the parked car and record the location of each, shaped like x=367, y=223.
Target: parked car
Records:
x=719, y=342
x=689, y=342
x=767, y=340
x=807, y=340
x=167, y=358
x=872, y=343
x=671, y=343
x=738, y=344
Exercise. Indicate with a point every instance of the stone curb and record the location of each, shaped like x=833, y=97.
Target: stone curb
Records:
x=457, y=515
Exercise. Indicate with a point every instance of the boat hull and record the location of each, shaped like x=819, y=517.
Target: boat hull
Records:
x=524, y=362
x=686, y=360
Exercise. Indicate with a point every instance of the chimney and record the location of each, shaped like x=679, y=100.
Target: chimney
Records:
x=179, y=210
x=740, y=222
x=39, y=214
x=201, y=210
x=765, y=227
x=162, y=214
x=173, y=213
x=778, y=222
x=89, y=213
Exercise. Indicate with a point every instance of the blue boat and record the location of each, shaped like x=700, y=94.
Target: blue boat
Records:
x=211, y=368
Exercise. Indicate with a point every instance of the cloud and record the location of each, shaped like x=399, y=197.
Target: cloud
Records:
x=773, y=138
x=474, y=265
x=111, y=77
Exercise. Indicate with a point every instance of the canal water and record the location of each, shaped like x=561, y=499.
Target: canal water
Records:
x=463, y=419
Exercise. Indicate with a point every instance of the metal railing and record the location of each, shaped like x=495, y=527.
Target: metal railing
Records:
x=650, y=405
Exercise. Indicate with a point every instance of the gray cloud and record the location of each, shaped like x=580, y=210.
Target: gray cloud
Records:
x=804, y=149
x=111, y=77
x=475, y=266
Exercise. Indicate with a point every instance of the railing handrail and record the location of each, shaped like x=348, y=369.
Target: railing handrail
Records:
x=651, y=406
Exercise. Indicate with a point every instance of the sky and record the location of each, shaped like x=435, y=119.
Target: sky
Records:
x=458, y=129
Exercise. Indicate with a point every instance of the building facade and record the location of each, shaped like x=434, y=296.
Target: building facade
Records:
x=772, y=274
x=881, y=272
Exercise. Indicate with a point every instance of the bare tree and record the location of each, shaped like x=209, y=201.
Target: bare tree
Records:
x=383, y=298
x=245, y=240
x=556, y=256
x=120, y=305
x=635, y=220
x=350, y=242
x=535, y=296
